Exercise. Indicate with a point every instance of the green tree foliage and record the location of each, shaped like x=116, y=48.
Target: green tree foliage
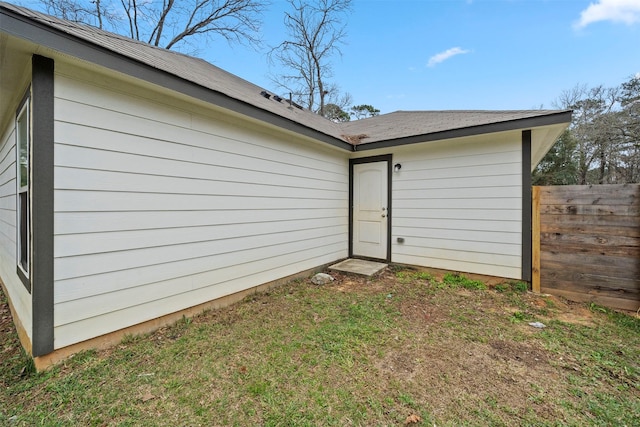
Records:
x=559, y=165
x=363, y=111
x=336, y=114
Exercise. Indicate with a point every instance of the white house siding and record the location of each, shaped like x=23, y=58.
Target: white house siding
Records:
x=457, y=204
x=18, y=294
x=161, y=205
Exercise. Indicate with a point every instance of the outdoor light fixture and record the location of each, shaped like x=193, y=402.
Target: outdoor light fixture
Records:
x=397, y=167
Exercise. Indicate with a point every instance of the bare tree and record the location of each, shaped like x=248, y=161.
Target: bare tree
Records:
x=336, y=103
x=602, y=144
x=592, y=129
x=167, y=23
x=627, y=129
x=315, y=32
x=86, y=12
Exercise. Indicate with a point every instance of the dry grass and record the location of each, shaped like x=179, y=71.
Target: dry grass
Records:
x=402, y=348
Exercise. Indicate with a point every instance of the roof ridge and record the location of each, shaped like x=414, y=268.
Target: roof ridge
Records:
x=476, y=111
x=227, y=90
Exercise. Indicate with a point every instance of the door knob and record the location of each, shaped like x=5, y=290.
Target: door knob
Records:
x=384, y=215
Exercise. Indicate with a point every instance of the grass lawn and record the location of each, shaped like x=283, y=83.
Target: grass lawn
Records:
x=403, y=348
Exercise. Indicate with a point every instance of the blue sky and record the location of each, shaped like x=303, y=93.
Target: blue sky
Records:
x=466, y=54
x=462, y=54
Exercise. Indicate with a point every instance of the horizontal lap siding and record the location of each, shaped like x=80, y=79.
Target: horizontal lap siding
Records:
x=19, y=296
x=8, y=195
x=158, y=208
x=458, y=205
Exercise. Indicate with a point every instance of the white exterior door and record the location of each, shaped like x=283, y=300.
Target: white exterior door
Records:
x=370, y=210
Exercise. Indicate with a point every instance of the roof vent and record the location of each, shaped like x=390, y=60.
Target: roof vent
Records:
x=277, y=98
x=265, y=94
x=293, y=104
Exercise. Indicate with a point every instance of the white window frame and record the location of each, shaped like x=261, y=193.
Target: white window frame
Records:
x=23, y=248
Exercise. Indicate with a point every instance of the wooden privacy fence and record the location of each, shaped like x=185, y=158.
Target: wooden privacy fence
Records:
x=586, y=243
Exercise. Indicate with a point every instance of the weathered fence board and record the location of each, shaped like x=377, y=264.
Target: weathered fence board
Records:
x=586, y=243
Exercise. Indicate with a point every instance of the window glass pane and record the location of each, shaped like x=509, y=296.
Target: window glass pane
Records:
x=24, y=231
x=23, y=136
x=23, y=148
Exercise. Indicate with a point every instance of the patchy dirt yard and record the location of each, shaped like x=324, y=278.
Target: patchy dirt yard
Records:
x=405, y=347
x=470, y=346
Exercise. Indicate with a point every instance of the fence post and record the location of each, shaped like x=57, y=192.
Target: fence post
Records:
x=535, y=236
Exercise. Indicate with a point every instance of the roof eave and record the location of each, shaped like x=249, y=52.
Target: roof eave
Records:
x=21, y=26
x=525, y=123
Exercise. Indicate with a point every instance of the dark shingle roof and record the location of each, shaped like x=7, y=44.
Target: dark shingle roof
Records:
x=191, y=69
x=394, y=128
x=404, y=124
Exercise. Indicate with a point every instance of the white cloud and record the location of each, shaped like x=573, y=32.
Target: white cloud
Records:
x=626, y=11
x=443, y=56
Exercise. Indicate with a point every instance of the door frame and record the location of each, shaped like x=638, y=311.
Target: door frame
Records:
x=382, y=158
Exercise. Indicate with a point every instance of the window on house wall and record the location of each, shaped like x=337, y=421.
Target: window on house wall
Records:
x=23, y=147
